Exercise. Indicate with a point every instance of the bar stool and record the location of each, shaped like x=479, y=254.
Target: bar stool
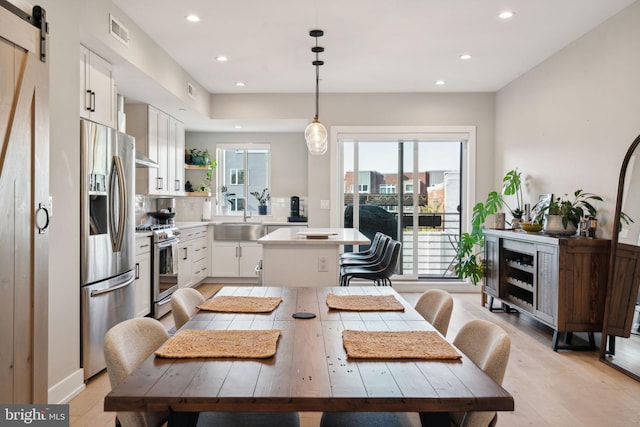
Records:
x=380, y=273
x=366, y=253
x=372, y=261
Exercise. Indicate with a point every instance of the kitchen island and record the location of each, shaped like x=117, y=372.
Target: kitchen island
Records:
x=298, y=258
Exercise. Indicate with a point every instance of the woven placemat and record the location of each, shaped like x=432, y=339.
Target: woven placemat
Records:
x=231, y=304
x=364, y=302
x=397, y=345
x=189, y=343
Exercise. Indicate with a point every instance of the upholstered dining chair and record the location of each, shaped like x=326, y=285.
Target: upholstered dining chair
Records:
x=436, y=305
x=488, y=346
x=366, y=419
x=126, y=345
x=183, y=305
x=129, y=343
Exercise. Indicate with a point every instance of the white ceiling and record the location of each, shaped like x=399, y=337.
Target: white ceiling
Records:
x=370, y=45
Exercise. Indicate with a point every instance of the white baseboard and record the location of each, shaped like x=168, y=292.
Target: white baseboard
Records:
x=67, y=389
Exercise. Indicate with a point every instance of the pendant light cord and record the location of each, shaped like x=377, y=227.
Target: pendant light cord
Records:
x=317, y=88
x=317, y=80
x=317, y=63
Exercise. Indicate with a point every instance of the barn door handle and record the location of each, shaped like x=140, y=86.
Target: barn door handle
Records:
x=42, y=208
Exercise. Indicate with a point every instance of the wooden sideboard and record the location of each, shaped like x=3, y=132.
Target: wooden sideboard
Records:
x=560, y=281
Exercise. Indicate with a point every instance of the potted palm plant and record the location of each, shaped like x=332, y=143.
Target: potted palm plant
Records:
x=562, y=215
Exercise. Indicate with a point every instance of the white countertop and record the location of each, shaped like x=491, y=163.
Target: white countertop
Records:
x=287, y=236
x=191, y=224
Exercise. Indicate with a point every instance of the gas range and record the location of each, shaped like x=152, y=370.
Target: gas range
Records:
x=161, y=232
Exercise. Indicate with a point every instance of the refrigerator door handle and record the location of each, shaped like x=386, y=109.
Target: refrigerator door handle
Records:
x=117, y=235
x=111, y=289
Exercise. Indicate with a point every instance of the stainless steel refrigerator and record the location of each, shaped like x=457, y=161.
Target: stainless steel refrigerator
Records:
x=107, y=246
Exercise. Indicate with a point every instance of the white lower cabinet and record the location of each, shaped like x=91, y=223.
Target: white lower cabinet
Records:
x=200, y=266
x=193, y=255
x=142, y=283
x=185, y=254
x=235, y=259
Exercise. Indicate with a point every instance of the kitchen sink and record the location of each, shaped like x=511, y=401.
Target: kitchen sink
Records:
x=239, y=231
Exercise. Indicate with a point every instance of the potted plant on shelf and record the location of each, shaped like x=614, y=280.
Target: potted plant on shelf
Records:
x=468, y=259
x=198, y=157
x=562, y=215
x=204, y=162
x=263, y=198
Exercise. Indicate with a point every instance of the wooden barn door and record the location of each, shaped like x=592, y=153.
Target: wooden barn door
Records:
x=24, y=206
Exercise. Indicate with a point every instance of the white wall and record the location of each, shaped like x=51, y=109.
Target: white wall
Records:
x=64, y=249
x=383, y=109
x=567, y=123
x=288, y=165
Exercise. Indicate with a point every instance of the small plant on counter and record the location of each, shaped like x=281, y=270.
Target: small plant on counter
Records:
x=512, y=185
x=263, y=197
x=571, y=211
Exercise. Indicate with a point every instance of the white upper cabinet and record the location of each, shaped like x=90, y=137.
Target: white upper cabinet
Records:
x=97, y=89
x=161, y=138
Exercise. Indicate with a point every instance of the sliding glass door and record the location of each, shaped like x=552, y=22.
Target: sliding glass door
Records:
x=410, y=190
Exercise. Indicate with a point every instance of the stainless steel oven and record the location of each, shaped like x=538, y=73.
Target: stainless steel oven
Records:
x=164, y=265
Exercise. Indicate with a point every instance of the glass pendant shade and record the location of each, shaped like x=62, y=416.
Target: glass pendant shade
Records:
x=316, y=136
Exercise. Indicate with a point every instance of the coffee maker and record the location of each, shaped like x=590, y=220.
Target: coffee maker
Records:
x=295, y=210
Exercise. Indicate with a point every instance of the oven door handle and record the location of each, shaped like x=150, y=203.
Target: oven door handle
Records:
x=168, y=243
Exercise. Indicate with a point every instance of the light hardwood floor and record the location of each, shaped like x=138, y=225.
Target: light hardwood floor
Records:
x=564, y=388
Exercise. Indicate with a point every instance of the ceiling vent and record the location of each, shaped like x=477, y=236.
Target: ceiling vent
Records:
x=118, y=31
x=191, y=90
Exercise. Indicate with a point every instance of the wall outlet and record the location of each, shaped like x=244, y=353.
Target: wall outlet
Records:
x=322, y=264
x=325, y=204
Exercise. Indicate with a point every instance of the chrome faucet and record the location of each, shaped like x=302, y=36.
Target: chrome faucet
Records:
x=246, y=214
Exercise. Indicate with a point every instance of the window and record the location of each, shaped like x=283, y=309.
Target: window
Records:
x=387, y=188
x=363, y=188
x=236, y=204
x=242, y=169
x=237, y=176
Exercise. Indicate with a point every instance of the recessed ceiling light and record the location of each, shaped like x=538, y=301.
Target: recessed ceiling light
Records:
x=222, y=58
x=506, y=14
x=465, y=56
x=440, y=82
x=238, y=126
x=240, y=84
x=192, y=18
x=182, y=109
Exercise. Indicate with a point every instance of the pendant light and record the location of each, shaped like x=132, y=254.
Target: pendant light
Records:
x=316, y=133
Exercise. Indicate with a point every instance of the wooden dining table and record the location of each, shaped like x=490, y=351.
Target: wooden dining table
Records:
x=310, y=370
